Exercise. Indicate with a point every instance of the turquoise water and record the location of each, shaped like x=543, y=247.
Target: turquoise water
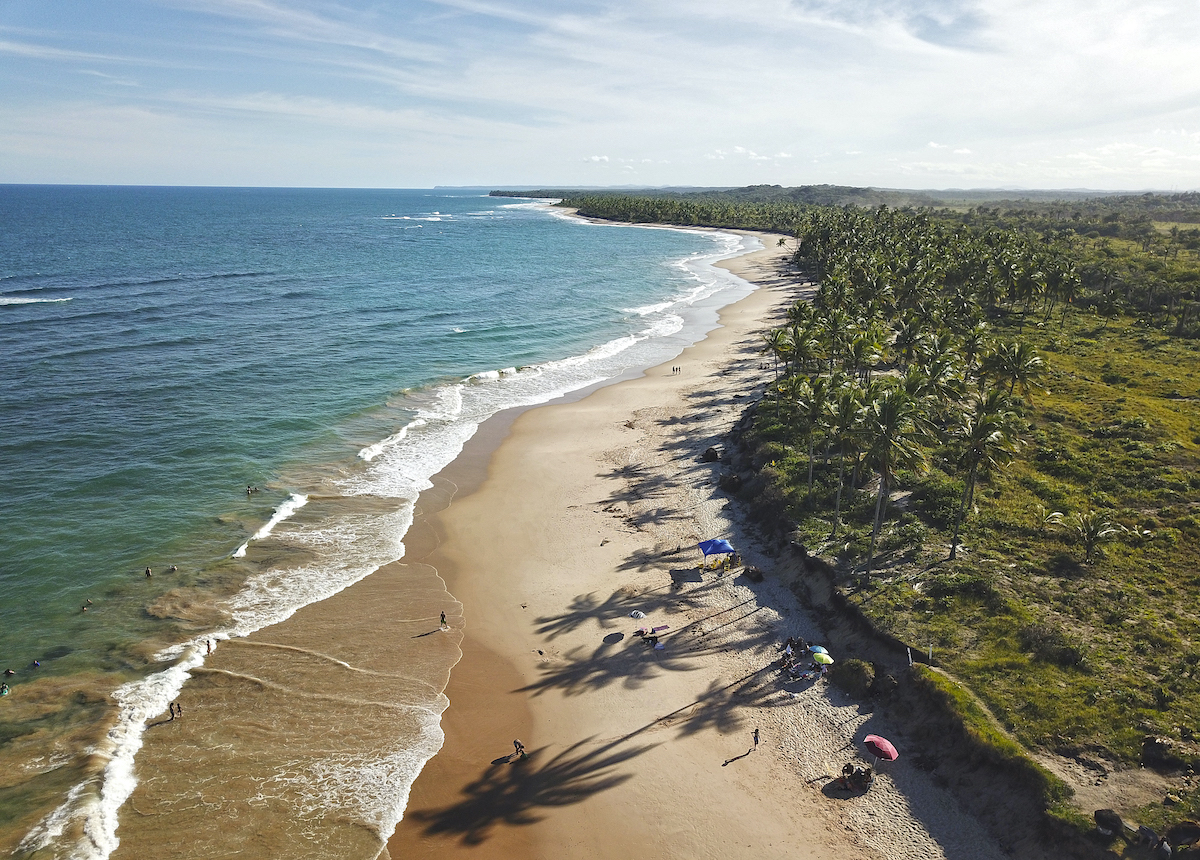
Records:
x=163, y=348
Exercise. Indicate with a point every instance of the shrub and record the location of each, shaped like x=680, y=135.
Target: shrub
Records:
x=937, y=498
x=853, y=676
x=1050, y=644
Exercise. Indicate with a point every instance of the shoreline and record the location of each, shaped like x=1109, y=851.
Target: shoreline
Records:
x=217, y=684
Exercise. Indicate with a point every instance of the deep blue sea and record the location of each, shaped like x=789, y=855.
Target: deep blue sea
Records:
x=163, y=349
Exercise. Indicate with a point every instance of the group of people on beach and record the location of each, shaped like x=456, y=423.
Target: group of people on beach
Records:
x=795, y=651
x=855, y=778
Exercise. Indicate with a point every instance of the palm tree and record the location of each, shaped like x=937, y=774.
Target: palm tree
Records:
x=806, y=346
x=1016, y=363
x=1093, y=529
x=988, y=434
x=844, y=424
x=779, y=344
x=905, y=345
x=894, y=423
x=974, y=343
x=812, y=407
x=862, y=353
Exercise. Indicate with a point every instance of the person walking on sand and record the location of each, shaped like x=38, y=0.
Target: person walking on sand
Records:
x=520, y=749
x=443, y=619
x=756, y=738
x=171, y=708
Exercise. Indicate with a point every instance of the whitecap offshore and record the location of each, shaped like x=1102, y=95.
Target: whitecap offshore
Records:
x=23, y=300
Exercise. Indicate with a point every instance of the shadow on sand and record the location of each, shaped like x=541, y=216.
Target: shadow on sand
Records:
x=516, y=794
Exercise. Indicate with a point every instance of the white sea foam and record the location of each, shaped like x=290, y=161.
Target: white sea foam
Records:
x=347, y=548
x=373, y=791
x=350, y=548
x=370, y=452
x=21, y=300
x=293, y=503
x=96, y=812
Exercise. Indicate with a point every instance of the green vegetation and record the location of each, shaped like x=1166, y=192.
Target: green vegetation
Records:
x=1060, y=448
x=988, y=421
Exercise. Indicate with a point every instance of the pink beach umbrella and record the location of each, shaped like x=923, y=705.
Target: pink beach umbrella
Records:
x=881, y=748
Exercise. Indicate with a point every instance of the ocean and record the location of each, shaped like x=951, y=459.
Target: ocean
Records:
x=242, y=392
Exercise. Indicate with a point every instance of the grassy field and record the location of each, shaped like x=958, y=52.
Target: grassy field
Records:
x=1072, y=657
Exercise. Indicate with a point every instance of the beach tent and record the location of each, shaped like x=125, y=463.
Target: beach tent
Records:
x=716, y=546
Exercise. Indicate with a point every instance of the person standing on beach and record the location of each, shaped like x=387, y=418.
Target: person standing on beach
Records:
x=756, y=738
x=443, y=619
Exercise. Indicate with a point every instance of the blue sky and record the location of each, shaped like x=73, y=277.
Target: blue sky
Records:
x=900, y=93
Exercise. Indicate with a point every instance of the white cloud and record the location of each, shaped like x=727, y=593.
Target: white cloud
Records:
x=510, y=90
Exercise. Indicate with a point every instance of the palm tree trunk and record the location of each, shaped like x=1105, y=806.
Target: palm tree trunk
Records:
x=879, y=508
x=810, y=468
x=968, y=493
x=837, y=506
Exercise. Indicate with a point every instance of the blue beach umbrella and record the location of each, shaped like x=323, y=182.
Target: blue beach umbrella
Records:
x=818, y=649
x=715, y=546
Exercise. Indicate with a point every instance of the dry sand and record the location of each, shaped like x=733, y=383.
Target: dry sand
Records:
x=587, y=511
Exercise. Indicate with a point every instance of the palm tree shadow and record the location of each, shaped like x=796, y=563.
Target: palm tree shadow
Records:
x=632, y=666
x=516, y=795
x=587, y=608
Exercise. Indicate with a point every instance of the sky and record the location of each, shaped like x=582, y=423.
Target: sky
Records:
x=1099, y=94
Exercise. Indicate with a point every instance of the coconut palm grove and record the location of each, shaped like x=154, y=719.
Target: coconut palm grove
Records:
x=987, y=424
